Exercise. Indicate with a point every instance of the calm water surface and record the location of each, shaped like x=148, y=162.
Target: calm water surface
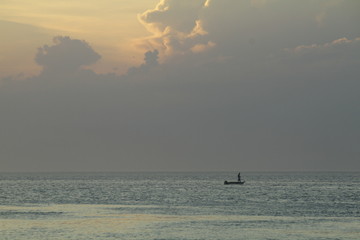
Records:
x=179, y=206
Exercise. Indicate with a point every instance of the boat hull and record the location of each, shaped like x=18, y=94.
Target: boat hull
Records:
x=230, y=183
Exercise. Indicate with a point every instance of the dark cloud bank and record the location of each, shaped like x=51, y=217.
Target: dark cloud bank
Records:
x=296, y=108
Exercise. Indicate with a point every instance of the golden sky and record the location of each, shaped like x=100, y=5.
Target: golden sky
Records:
x=109, y=26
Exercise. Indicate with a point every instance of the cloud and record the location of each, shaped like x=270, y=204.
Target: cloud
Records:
x=66, y=55
x=178, y=15
x=202, y=47
x=255, y=29
x=340, y=44
x=151, y=58
x=341, y=51
x=150, y=62
x=175, y=25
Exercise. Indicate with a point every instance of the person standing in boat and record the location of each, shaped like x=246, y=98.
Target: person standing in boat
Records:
x=239, y=178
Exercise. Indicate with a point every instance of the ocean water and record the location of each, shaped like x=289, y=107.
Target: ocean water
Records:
x=179, y=206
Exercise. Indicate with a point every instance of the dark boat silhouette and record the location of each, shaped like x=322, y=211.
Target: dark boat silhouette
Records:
x=229, y=183
x=238, y=181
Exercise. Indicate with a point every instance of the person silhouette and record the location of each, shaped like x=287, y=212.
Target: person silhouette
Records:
x=239, y=178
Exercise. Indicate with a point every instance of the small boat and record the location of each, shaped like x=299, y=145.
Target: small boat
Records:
x=228, y=183
x=238, y=181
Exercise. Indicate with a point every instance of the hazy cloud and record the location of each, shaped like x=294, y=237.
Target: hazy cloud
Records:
x=252, y=28
x=178, y=15
x=150, y=61
x=340, y=52
x=175, y=25
x=66, y=55
x=151, y=58
x=339, y=45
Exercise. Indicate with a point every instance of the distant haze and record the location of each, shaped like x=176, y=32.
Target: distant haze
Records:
x=250, y=85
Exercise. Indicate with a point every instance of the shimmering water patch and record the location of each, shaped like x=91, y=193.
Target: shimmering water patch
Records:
x=30, y=215
x=115, y=222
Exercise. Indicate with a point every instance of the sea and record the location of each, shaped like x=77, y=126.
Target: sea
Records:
x=180, y=206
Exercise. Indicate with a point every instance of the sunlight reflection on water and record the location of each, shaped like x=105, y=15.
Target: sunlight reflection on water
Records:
x=70, y=221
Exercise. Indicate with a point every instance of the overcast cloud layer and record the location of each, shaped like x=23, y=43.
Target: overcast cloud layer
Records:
x=249, y=85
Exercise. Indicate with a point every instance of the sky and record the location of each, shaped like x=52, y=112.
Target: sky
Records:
x=180, y=85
